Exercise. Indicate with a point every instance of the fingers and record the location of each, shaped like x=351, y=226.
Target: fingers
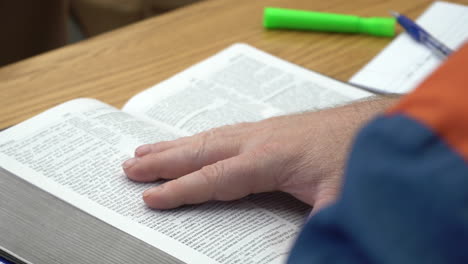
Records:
x=172, y=160
x=225, y=133
x=160, y=146
x=168, y=164
x=225, y=180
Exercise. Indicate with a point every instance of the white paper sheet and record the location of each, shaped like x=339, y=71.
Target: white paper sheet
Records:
x=403, y=64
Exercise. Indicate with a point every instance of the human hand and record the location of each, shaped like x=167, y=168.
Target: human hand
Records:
x=299, y=154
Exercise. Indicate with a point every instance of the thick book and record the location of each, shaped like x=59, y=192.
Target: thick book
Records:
x=74, y=152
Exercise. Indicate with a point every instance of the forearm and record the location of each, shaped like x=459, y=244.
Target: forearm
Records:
x=354, y=115
x=343, y=122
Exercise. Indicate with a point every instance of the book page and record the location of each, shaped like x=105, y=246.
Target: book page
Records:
x=238, y=84
x=75, y=151
x=405, y=63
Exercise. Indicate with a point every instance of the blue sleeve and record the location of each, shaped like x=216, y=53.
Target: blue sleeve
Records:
x=404, y=200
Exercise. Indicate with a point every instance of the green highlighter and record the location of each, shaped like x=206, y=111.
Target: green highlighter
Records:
x=280, y=18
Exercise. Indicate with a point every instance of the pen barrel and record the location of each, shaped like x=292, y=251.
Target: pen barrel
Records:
x=280, y=18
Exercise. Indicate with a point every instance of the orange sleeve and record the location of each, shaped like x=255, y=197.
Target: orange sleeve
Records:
x=441, y=102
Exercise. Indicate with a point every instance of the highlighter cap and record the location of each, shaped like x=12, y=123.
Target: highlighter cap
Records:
x=280, y=18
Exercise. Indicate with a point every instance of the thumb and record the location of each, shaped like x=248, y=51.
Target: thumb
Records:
x=224, y=180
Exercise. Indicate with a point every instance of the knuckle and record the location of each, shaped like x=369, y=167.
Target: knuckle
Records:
x=195, y=152
x=200, y=145
x=212, y=172
x=212, y=175
x=153, y=167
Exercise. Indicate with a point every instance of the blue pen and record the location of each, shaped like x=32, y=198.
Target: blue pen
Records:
x=422, y=36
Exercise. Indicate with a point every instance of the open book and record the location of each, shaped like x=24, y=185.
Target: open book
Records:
x=75, y=151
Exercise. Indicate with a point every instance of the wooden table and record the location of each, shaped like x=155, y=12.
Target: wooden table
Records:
x=114, y=66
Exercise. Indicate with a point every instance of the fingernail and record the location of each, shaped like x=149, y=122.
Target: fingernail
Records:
x=142, y=150
x=129, y=163
x=149, y=191
x=146, y=193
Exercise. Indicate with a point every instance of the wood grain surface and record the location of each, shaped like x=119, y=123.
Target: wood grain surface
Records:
x=114, y=66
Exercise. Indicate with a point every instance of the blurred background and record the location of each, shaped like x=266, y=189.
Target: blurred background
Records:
x=30, y=27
